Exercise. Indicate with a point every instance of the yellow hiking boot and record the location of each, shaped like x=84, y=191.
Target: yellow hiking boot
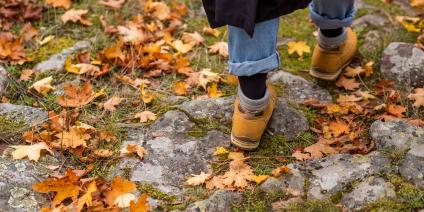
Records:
x=249, y=127
x=327, y=64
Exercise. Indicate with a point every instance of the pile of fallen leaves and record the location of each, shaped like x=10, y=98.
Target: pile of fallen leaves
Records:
x=75, y=192
x=414, y=24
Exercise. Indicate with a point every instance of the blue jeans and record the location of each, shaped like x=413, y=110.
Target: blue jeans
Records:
x=258, y=54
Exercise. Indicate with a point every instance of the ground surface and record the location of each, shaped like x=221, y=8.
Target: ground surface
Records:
x=376, y=164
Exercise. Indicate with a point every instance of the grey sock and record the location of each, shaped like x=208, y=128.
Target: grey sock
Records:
x=330, y=43
x=252, y=105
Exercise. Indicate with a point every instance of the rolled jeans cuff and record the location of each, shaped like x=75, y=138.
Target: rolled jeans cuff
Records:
x=249, y=68
x=323, y=22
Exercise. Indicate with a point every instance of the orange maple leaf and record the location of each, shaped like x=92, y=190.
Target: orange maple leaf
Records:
x=142, y=204
x=119, y=187
x=75, y=98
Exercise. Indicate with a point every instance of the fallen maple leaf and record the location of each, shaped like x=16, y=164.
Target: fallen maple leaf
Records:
x=236, y=156
x=238, y=175
x=180, y=88
x=353, y=72
x=396, y=110
x=43, y=86
x=75, y=98
x=134, y=148
x=418, y=97
x=221, y=151
x=318, y=150
x=158, y=10
x=110, y=104
x=119, y=187
x=131, y=34
x=364, y=94
x=207, y=76
x=348, y=98
x=182, y=47
x=301, y=156
x=192, y=38
x=124, y=200
x=75, y=16
x=116, y=4
x=213, y=91
x=281, y=170
x=66, y=4
x=348, y=84
x=146, y=96
x=369, y=69
x=220, y=48
x=145, y=116
x=142, y=204
x=65, y=187
x=259, y=179
x=338, y=128
x=26, y=74
x=210, y=31
x=299, y=47
x=198, y=179
x=90, y=69
x=417, y=3
x=73, y=138
x=87, y=198
x=30, y=151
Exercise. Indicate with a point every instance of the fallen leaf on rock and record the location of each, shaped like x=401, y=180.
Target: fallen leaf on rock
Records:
x=73, y=138
x=418, y=97
x=65, y=187
x=66, y=4
x=31, y=151
x=134, y=148
x=281, y=170
x=318, y=150
x=180, y=88
x=116, y=4
x=119, y=187
x=301, y=156
x=210, y=31
x=220, y=48
x=259, y=179
x=145, y=116
x=43, y=86
x=77, y=98
x=142, y=204
x=110, y=104
x=348, y=84
x=213, y=91
x=75, y=16
x=221, y=151
x=299, y=47
x=26, y=74
x=198, y=179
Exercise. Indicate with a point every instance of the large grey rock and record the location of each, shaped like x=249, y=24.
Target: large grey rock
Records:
x=370, y=190
x=292, y=183
x=29, y=115
x=298, y=89
x=219, y=201
x=395, y=135
x=330, y=175
x=172, y=155
x=56, y=62
x=3, y=79
x=412, y=167
x=16, y=180
x=404, y=64
x=285, y=121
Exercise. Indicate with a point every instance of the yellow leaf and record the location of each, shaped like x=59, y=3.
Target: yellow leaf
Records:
x=236, y=155
x=192, y=38
x=69, y=67
x=417, y=3
x=213, y=91
x=221, y=151
x=73, y=138
x=87, y=198
x=180, y=88
x=30, y=151
x=134, y=148
x=369, y=69
x=46, y=40
x=259, y=179
x=43, y=86
x=158, y=10
x=142, y=204
x=119, y=187
x=197, y=179
x=182, y=47
x=299, y=47
x=147, y=97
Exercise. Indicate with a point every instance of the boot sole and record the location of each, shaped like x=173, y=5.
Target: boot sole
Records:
x=329, y=77
x=244, y=145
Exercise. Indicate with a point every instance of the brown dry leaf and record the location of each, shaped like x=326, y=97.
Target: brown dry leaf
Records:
x=26, y=74
x=259, y=179
x=134, y=148
x=158, y=10
x=353, y=72
x=348, y=84
x=210, y=31
x=339, y=127
x=301, y=156
x=87, y=198
x=31, y=151
x=220, y=48
x=65, y=187
x=66, y=4
x=238, y=175
x=131, y=34
x=348, y=98
x=116, y=4
x=142, y=204
x=75, y=16
x=396, y=110
x=88, y=68
x=28, y=32
x=198, y=179
x=145, y=116
x=418, y=97
x=110, y=104
x=43, y=86
x=299, y=47
x=369, y=69
x=318, y=150
x=77, y=98
x=120, y=187
x=73, y=138
x=180, y=88
x=192, y=38
x=281, y=170
x=104, y=153
x=216, y=182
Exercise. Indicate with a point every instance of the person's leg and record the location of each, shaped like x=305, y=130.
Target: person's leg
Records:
x=251, y=58
x=333, y=18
